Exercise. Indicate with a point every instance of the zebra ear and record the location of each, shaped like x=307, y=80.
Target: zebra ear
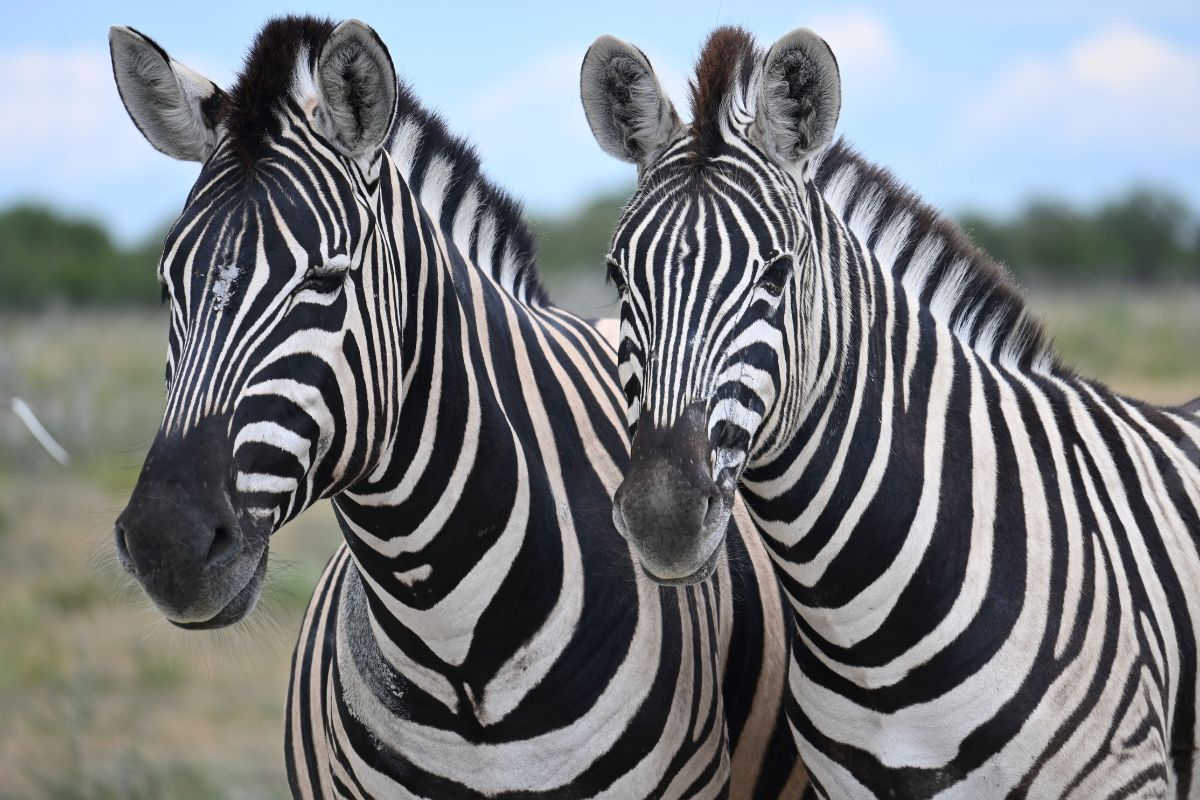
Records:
x=178, y=110
x=630, y=115
x=800, y=97
x=359, y=87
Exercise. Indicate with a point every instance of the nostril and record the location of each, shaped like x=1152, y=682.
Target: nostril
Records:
x=712, y=509
x=223, y=546
x=123, y=556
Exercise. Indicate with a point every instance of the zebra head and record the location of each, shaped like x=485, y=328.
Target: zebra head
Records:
x=712, y=258
x=270, y=272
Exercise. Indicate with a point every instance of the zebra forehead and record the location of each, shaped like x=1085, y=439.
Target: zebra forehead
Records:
x=722, y=212
x=258, y=225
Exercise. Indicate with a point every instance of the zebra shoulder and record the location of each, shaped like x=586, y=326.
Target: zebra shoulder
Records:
x=609, y=328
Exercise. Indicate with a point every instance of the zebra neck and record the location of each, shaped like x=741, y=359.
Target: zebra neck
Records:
x=449, y=523
x=841, y=495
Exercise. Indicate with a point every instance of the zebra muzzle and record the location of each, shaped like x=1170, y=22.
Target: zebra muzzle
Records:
x=668, y=506
x=199, y=560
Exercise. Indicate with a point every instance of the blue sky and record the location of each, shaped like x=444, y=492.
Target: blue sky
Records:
x=974, y=105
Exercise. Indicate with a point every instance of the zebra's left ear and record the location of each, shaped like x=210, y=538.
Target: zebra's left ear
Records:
x=799, y=98
x=359, y=88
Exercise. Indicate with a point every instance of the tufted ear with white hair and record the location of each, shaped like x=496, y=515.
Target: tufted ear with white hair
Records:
x=178, y=110
x=630, y=115
x=800, y=97
x=359, y=89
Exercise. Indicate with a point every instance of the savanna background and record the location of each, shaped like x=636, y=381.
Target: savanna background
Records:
x=1065, y=137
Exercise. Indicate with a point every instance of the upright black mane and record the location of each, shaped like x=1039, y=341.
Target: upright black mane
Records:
x=977, y=297
x=266, y=78
x=263, y=88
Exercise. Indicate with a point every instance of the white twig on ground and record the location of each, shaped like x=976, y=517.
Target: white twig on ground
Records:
x=26, y=415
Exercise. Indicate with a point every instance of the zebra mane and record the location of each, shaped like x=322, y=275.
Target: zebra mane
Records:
x=441, y=169
x=935, y=260
x=725, y=64
x=485, y=222
x=267, y=79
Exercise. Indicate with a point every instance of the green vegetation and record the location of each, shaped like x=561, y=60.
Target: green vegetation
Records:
x=578, y=241
x=1145, y=236
x=46, y=257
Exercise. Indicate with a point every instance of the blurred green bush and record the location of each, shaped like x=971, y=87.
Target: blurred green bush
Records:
x=1144, y=236
x=47, y=257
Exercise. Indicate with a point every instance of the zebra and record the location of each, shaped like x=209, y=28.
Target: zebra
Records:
x=355, y=314
x=992, y=561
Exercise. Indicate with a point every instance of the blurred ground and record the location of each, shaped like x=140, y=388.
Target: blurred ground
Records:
x=99, y=698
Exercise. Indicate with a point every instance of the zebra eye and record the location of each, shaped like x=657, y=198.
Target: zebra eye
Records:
x=160, y=275
x=327, y=275
x=775, y=277
x=614, y=274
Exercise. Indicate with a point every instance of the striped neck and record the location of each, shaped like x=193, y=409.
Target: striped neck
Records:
x=412, y=537
x=899, y=322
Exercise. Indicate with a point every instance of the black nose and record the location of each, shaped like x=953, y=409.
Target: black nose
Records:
x=665, y=498
x=668, y=505
x=167, y=532
x=180, y=535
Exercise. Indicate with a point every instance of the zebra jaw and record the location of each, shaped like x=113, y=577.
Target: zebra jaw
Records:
x=236, y=609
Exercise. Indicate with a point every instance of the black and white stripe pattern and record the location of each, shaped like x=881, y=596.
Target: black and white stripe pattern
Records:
x=993, y=562
x=369, y=327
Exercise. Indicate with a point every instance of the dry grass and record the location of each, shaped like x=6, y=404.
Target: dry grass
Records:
x=99, y=696
x=1143, y=344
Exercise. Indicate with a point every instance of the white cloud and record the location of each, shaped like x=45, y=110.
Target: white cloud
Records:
x=869, y=58
x=1120, y=87
x=59, y=110
x=859, y=39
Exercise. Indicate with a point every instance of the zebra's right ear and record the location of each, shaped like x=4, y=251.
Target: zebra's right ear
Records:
x=177, y=109
x=630, y=115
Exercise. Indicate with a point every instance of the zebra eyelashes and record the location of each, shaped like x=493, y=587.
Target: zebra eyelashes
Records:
x=327, y=275
x=615, y=277
x=775, y=277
